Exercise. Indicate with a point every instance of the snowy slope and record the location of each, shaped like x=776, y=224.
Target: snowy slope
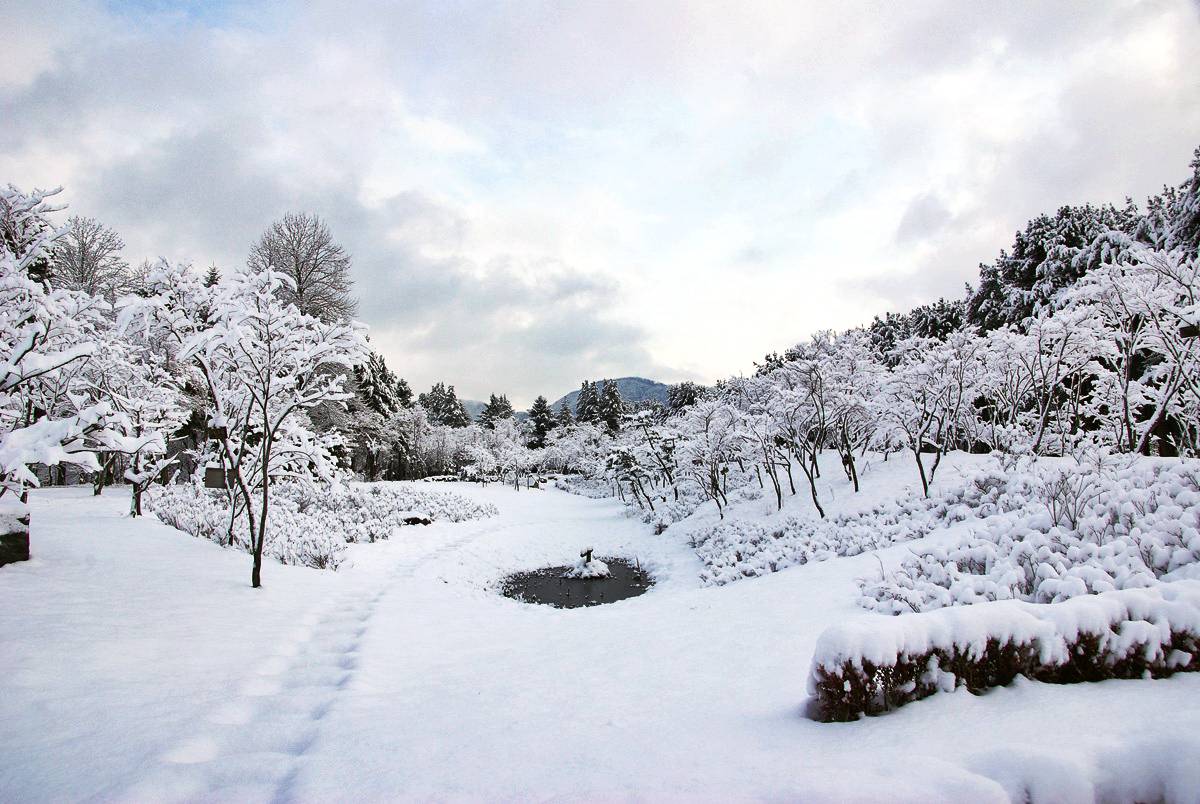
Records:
x=137, y=665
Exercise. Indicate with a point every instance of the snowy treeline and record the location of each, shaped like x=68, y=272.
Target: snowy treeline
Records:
x=1110, y=364
x=400, y=438
x=1084, y=337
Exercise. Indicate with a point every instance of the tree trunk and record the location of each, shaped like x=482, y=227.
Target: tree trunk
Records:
x=921, y=469
x=256, y=573
x=102, y=476
x=14, y=546
x=812, y=487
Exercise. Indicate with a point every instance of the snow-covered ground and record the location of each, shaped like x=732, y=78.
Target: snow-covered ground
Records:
x=136, y=664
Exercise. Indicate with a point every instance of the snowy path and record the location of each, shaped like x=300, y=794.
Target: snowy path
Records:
x=251, y=748
x=407, y=676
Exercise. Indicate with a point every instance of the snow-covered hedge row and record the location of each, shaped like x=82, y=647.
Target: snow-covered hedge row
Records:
x=1062, y=531
x=311, y=526
x=736, y=549
x=872, y=666
x=594, y=488
x=388, y=502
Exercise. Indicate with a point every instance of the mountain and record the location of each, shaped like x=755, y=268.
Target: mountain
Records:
x=474, y=407
x=633, y=389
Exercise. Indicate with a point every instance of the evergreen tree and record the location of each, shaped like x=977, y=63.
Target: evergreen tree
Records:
x=1172, y=219
x=564, y=418
x=683, y=395
x=586, y=410
x=443, y=406
x=541, y=422
x=609, y=406
x=456, y=412
x=1050, y=254
x=377, y=386
x=212, y=277
x=403, y=391
x=497, y=408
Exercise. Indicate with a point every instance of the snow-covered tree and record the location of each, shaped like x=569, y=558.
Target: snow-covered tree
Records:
x=683, y=394
x=1134, y=316
x=133, y=374
x=564, y=417
x=541, y=422
x=922, y=404
x=443, y=406
x=497, y=408
x=711, y=441
x=576, y=448
x=379, y=388
x=609, y=406
x=44, y=335
x=587, y=404
x=263, y=363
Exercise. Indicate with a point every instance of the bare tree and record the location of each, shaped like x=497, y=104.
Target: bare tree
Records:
x=88, y=258
x=300, y=245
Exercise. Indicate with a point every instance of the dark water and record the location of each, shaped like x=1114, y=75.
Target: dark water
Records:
x=547, y=585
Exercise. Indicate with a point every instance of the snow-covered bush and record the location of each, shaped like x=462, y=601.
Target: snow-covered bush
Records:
x=738, y=549
x=312, y=526
x=1054, y=532
x=594, y=488
x=870, y=667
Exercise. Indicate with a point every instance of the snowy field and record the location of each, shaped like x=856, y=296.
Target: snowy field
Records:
x=138, y=665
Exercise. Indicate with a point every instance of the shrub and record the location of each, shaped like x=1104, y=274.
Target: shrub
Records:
x=1063, y=532
x=871, y=667
x=311, y=526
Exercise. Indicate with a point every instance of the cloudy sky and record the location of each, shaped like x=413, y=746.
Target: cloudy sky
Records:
x=534, y=193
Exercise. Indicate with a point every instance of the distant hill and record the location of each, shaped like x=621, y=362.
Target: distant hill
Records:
x=474, y=407
x=633, y=389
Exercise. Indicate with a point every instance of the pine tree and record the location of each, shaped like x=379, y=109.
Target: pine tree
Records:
x=586, y=410
x=683, y=395
x=609, y=406
x=497, y=408
x=541, y=420
x=564, y=418
x=403, y=391
x=443, y=407
x=377, y=386
x=212, y=277
x=1049, y=254
x=456, y=412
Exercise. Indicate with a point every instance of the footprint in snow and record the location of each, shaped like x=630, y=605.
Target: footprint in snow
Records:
x=193, y=751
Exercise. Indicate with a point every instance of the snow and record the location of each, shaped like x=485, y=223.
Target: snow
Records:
x=587, y=567
x=1136, y=628
x=1052, y=531
x=312, y=524
x=137, y=664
